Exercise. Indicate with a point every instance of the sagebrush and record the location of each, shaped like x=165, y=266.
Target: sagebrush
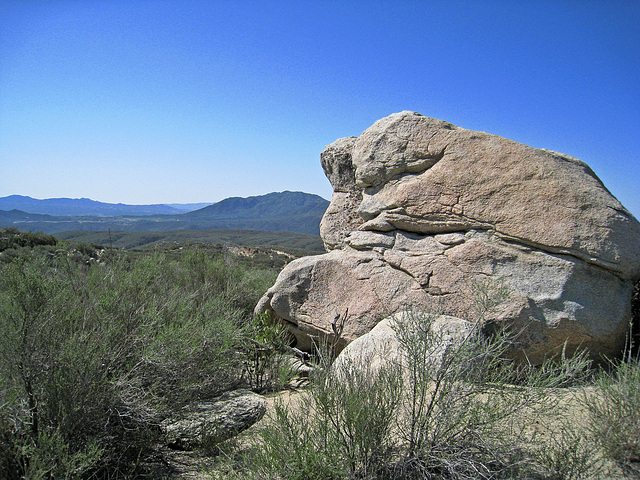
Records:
x=95, y=349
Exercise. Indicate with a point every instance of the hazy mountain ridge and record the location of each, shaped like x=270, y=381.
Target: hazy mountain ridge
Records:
x=284, y=211
x=86, y=206
x=284, y=204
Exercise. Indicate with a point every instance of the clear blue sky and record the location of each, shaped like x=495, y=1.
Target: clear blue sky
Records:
x=195, y=101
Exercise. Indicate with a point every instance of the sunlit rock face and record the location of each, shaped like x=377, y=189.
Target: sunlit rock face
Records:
x=430, y=215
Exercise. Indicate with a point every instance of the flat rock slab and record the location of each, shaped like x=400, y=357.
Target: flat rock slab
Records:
x=209, y=423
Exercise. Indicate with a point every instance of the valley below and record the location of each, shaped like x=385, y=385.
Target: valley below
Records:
x=296, y=212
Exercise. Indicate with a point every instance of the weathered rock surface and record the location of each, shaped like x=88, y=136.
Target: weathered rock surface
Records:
x=210, y=423
x=341, y=216
x=426, y=209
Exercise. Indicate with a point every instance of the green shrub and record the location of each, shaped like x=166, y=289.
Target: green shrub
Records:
x=340, y=428
x=449, y=411
x=94, y=355
x=464, y=416
x=59, y=363
x=614, y=413
x=270, y=364
x=12, y=238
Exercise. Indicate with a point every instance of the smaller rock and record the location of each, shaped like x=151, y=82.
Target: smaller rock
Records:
x=381, y=346
x=209, y=423
x=373, y=350
x=300, y=368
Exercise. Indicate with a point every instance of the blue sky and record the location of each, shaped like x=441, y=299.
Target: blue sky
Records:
x=195, y=101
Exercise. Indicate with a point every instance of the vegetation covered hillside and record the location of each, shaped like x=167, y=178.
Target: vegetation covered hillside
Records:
x=98, y=345
x=285, y=211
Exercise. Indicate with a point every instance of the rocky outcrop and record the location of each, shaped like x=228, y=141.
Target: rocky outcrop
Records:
x=341, y=217
x=210, y=423
x=424, y=211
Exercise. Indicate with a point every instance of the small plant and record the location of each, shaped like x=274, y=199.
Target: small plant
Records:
x=461, y=419
x=268, y=366
x=570, y=454
x=340, y=428
x=614, y=413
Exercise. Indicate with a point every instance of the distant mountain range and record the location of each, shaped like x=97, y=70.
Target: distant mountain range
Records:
x=86, y=206
x=284, y=211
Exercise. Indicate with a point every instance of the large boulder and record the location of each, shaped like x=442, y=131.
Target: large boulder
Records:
x=425, y=211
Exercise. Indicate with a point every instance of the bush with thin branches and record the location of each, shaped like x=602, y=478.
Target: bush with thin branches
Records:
x=93, y=355
x=614, y=413
x=449, y=409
